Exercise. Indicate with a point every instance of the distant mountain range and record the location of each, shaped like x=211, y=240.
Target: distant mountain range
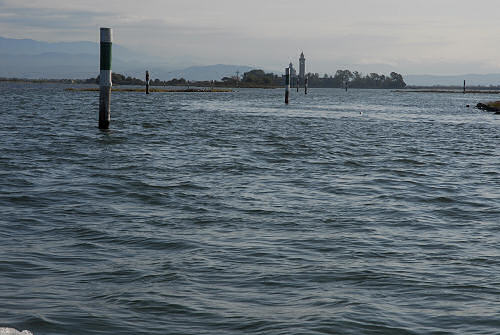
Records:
x=31, y=47
x=26, y=58
x=210, y=72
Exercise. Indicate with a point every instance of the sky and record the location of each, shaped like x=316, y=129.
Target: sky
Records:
x=410, y=37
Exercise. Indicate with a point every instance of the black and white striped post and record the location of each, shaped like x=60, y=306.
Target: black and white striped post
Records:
x=287, y=84
x=147, y=82
x=105, y=78
x=305, y=85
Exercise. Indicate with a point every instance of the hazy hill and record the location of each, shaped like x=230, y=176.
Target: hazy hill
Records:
x=52, y=65
x=210, y=72
x=31, y=47
x=11, y=46
x=27, y=58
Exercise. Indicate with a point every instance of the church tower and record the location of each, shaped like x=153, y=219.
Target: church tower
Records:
x=302, y=67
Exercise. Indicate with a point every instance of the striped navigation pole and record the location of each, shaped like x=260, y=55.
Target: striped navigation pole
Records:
x=287, y=84
x=147, y=82
x=105, y=78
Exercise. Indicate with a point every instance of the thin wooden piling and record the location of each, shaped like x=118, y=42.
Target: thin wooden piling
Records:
x=464, y=86
x=297, y=83
x=305, y=85
x=287, y=84
x=147, y=82
x=105, y=78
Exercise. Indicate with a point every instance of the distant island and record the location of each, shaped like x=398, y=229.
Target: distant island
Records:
x=357, y=80
x=253, y=79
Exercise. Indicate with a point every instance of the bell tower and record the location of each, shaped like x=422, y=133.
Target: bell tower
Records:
x=302, y=68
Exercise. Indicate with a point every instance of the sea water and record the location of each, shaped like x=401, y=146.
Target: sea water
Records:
x=359, y=212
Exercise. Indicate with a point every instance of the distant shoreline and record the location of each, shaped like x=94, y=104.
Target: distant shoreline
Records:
x=43, y=81
x=409, y=89
x=153, y=90
x=153, y=87
x=448, y=91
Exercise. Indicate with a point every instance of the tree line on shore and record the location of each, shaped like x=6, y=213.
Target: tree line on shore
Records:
x=259, y=78
x=341, y=79
x=356, y=79
x=253, y=78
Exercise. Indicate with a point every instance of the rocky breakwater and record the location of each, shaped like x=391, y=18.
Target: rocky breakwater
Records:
x=493, y=106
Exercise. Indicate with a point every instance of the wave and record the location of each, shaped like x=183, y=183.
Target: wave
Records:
x=12, y=331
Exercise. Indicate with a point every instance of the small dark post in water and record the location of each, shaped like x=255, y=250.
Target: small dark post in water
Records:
x=147, y=82
x=464, y=86
x=287, y=84
x=297, y=82
x=346, y=86
x=305, y=85
x=105, y=78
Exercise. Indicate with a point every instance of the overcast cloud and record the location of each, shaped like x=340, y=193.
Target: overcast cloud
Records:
x=438, y=36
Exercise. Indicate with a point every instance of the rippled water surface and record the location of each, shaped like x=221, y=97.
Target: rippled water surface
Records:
x=366, y=212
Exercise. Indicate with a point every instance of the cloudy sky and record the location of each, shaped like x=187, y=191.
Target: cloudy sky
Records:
x=410, y=37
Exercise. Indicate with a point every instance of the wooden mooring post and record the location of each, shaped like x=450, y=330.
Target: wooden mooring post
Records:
x=287, y=84
x=298, y=84
x=464, y=86
x=147, y=82
x=105, y=78
x=305, y=85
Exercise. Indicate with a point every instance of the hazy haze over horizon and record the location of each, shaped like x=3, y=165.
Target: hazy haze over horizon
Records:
x=427, y=37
